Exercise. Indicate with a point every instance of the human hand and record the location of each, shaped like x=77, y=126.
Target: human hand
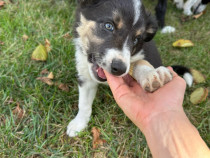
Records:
x=140, y=106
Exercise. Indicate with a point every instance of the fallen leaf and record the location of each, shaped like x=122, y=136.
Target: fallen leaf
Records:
x=199, y=95
x=50, y=76
x=25, y=37
x=101, y=154
x=2, y=120
x=199, y=15
x=96, y=138
x=47, y=45
x=45, y=80
x=10, y=101
x=64, y=87
x=18, y=112
x=1, y=43
x=67, y=36
x=198, y=77
x=45, y=71
x=183, y=43
x=40, y=53
x=2, y=3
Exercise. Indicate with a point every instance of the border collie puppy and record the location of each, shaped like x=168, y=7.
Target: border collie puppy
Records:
x=189, y=7
x=111, y=35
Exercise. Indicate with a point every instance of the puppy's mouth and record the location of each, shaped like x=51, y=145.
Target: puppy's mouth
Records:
x=99, y=73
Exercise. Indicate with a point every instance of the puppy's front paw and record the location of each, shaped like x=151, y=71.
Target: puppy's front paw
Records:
x=75, y=126
x=179, y=5
x=156, y=78
x=188, y=12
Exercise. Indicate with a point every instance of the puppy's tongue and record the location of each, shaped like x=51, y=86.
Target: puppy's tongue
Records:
x=101, y=73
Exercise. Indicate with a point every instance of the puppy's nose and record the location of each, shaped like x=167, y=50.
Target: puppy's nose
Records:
x=118, y=67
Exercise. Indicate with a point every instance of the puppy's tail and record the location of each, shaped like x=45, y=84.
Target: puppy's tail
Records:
x=185, y=73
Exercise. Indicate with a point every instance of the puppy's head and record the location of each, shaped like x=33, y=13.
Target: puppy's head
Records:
x=111, y=33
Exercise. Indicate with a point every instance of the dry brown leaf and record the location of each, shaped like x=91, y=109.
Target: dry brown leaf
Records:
x=64, y=87
x=2, y=3
x=18, y=112
x=199, y=95
x=45, y=80
x=2, y=120
x=96, y=138
x=10, y=101
x=44, y=72
x=47, y=45
x=198, y=77
x=67, y=36
x=25, y=37
x=199, y=15
x=50, y=76
x=101, y=154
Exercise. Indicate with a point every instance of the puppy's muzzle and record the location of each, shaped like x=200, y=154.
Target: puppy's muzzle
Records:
x=118, y=67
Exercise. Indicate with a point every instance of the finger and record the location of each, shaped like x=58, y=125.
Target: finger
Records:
x=172, y=71
x=118, y=86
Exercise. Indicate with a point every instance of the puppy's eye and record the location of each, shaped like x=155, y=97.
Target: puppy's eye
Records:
x=135, y=42
x=109, y=26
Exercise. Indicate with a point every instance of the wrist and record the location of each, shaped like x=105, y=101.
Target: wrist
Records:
x=162, y=120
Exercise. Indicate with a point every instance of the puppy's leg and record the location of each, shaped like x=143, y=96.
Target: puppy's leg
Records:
x=160, y=12
x=179, y=3
x=150, y=78
x=187, y=7
x=87, y=92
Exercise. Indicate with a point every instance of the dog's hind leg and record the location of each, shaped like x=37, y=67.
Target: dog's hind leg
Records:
x=179, y=3
x=160, y=12
x=87, y=92
x=187, y=7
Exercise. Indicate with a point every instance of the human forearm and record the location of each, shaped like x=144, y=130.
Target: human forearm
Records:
x=171, y=134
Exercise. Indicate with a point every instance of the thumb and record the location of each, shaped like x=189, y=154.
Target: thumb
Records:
x=118, y=87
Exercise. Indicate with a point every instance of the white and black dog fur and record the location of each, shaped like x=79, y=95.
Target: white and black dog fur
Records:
x=189, y=7
x=110, y=35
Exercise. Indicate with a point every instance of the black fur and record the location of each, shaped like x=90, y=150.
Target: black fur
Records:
x=160, y=12
x=180, y=70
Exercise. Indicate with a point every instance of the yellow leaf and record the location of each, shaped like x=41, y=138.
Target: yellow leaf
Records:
x=40, y=53
x=199, y=95
x=183, y=43
x=50, y=76
x=47, y=45
x=197, y=76
x=25, y=37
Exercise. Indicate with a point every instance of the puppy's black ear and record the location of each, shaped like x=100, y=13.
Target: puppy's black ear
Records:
x=151, y=28
x=84, y=3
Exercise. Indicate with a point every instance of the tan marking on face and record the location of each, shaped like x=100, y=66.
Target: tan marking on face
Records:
x=139, y=32
x=118, y=20
x=86, y=32
x=150, y=30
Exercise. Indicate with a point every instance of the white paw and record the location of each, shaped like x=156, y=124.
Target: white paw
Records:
x=179, y=5
x=187, y=12
x=76, y=126
x=168, y=29
x=156, y=78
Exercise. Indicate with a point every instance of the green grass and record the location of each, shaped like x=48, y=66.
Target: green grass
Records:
x=41, y=132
